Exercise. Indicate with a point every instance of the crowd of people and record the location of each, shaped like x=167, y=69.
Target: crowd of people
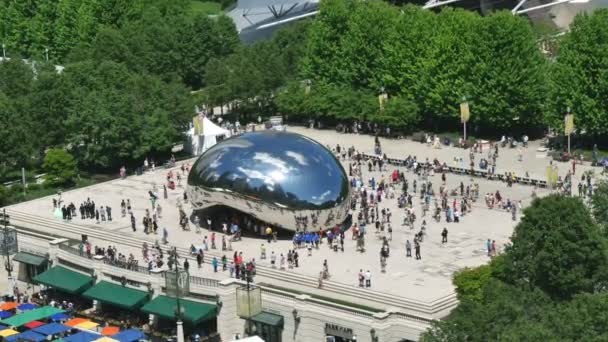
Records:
x=377, y=184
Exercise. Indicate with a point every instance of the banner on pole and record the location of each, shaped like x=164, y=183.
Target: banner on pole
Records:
x=382, y=98
x=569, y=124
x=464, y=112
x=174, y=281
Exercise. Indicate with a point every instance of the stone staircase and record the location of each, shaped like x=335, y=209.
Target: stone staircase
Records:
x=344, y=292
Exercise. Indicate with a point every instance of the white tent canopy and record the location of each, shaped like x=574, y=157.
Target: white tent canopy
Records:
x=203, y=135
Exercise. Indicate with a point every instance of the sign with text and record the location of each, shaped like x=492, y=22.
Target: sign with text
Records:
x=175, y=281
x=338, y=331
x=8, y=241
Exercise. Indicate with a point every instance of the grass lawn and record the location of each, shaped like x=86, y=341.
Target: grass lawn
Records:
x=204, y=7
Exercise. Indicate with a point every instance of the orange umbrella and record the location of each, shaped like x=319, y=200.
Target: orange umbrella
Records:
x=110, y=330
x=75, y=321
x=8, y=306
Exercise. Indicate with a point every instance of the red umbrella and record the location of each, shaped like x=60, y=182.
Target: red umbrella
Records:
x=33, y=324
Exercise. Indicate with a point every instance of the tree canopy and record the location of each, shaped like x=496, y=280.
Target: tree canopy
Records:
x=433, y=59
x=580, y=75
x=124, y=91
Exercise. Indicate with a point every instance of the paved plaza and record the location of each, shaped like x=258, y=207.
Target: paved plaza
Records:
x=426, y=279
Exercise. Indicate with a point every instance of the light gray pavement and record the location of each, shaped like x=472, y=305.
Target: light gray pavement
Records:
x=425, y=280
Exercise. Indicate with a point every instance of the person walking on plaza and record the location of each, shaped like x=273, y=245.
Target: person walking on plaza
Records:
x=417, y=248
x=165, y=236
x=368, y=278
x=361, y=278
x=273, y=259
x=186, y=265
x=109, y=212
x=215, y=264
x=408, y=249
x=489, y=247
x=444, y=235
x=262, y=252
x=133, y=223
x=199, y=258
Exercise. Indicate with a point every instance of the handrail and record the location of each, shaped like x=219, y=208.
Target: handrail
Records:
x=425, y=308
x=139, y=269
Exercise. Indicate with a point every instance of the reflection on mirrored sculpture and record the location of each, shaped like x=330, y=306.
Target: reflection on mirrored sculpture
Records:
x=282, y=178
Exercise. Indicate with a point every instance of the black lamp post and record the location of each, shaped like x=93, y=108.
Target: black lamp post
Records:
x=8, y=266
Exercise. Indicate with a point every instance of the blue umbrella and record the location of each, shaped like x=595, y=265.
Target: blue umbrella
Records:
x=60, y=316
x=5, y=314
x=27, y=306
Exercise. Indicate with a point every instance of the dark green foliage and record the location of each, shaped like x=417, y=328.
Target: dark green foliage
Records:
x=252, y=74
x=599, y=204
x=580, y=76
x=434, y=60
x=123, y=94
x=60, y=167
x=558, y=248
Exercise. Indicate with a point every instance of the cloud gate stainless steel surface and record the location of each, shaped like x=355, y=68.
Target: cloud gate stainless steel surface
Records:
x=282, y=178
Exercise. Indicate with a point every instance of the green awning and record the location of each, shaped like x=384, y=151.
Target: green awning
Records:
x=64, y=279
x=117, y=295
x=30, y=259
x=268, y=318
x=193, y=312
x=32, y=315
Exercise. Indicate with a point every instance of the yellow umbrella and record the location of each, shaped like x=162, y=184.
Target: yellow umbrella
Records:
x=8, y=332
x=86, y=325
x=106, y=339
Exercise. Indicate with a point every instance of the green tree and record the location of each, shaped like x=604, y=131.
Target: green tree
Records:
x=399, y=114
x=599, y=204
x=558, y=248
x=470, y=282
x=60, y=167
x=15, y=138
x=508, y=78
x=580, y=76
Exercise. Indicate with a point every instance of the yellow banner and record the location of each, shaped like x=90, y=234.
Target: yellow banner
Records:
x=197, y=125
x=464, y=112
x=382, y=100
x=569, y=124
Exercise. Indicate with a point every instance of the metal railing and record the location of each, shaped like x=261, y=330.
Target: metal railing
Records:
x=72, y=250
x=127, y=266
x=204, y=281
x=139, y=268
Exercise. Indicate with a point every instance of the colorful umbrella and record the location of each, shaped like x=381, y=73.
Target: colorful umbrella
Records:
x=110, y=330
x=8, y=306
x=8, y=332
x=27, y=306
x=33, y=324
x=86, y=325
x=60, y=316
x=75, y=321
x=5, y=314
